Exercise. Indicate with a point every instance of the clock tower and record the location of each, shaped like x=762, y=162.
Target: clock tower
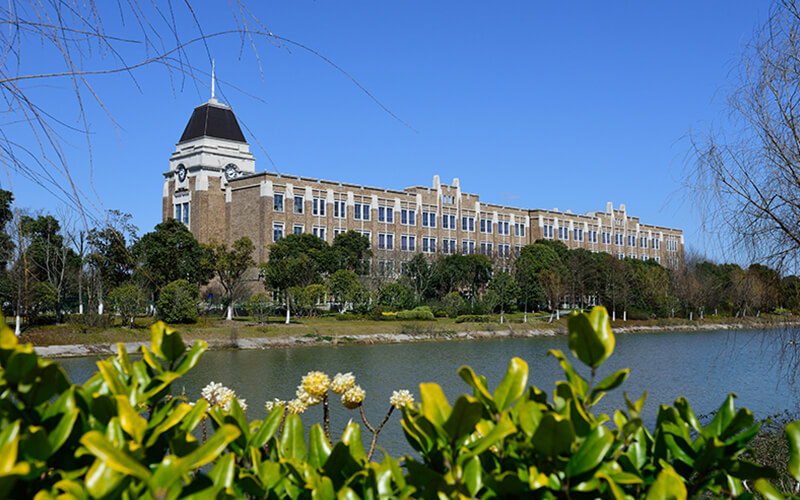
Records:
x=211, y=153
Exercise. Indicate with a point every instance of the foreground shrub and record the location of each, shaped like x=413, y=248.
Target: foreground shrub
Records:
x=177, y=302
x=123, y=434
x=418, y=313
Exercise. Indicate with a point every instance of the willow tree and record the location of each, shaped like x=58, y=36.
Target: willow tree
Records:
x=744, y=174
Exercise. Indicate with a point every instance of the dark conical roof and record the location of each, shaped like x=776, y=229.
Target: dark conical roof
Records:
x=213, y=120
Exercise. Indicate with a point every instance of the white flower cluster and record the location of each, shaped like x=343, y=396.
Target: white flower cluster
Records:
x=218, y=395
x=353, y=398
x=401, y=399
x=275, y=403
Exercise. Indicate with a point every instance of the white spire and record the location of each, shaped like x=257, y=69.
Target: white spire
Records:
x=212, y=79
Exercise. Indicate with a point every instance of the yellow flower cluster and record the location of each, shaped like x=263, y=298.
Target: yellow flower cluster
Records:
x=342, y=382
x=316, y=384
x=306, y=397
x=353, y=398
x=295, y=407
x=401, y=399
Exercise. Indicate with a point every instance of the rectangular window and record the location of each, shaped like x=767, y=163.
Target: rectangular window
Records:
x=277, y=202
x=386, y=241
x=386, y=268
x=277, y=231
x=178, y=208
x=468, y=224
x=448, y=246
x=467, y=247
x=297, y=229
x=519, y=230
x=548, y=231
x=563, y=233
x=503, y=250
x=386, y=214
x=658, y=259
x=503, y=228
x=618, y=239
x=408, y=217
x=298, y=204
x=361, y=211
x=319, y=231
x=428, y=219
x=339, y=209
x=486, y=248
x=428, y=244
x=448, y=221
x=318, y=208
x=338, y=230
x=517, y=250
x=408, y=243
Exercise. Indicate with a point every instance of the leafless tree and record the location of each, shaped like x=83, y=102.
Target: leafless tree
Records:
x=745, y=174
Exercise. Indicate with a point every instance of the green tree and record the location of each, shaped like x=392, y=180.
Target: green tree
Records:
x=177, y=302
x=532, y=260
x=170, y=252
x=346, y=288
x=506, y=292
x=420, y=277
x=231, y=265
x=260, y=307
x=127, y=300
x=109, y=251
x=396, y=296
x=351, y=250
x=296, y=260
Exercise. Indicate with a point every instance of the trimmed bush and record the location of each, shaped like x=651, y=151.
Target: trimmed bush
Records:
x=177, y=302
x=260, y=307
x=418, y=313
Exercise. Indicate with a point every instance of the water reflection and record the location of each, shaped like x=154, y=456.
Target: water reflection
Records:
x=702, y=366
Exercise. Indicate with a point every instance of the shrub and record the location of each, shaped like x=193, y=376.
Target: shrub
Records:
x=123, y=434
x=453, y=304
x=418, y=313
x=127, y=301
x=379, y=313
x=474, y=318
x=259, y=306
x=177, y=302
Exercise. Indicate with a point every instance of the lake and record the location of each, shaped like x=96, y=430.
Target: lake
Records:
x=702, y=366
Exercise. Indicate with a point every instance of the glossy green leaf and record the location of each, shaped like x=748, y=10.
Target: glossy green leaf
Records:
x=268, y=428
x=319, y=449
x=101, y=479
x=174, y=418
x=497, y=433
x=192, y=357
x=793, y=439
x=513, y=384
x=211, y=449
x=667, y=486
x=767, y=490
x=124, y=359
x=687, y=414
x=352, y=438
x=8, y=460
x=590, y=336
x=293, y=441
x=554, y=435
x=434, y=404
x=591, y=453
x=473, y=476
x=468, y=375
x=116, y=384
x=613, y=381
x=580, y=385
x=8, y=340
x=224, y=471
x=723, y=417
x=130, y=420
x=466, y=413
x=58, y=436
x=347, y=494
x=119, y=460
x=529, y=417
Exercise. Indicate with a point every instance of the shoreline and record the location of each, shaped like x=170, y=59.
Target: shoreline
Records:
x=289, y=342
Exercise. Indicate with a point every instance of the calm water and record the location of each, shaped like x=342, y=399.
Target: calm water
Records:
x=702, y=366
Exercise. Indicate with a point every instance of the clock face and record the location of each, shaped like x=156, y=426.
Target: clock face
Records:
x=181, y=172
x=231, y=172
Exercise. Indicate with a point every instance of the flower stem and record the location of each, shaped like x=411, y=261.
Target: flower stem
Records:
x=374, y=431
x=326, y=415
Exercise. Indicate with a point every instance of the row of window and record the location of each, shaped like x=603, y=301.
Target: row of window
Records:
x=182, y=212
x=605, y=237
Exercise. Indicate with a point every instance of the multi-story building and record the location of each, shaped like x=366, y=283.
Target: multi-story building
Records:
x=213, y=188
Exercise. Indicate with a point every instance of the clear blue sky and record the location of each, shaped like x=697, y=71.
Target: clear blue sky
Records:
x=531, y=104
